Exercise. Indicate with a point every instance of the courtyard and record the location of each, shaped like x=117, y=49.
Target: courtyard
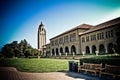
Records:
x=10, y=73
x=54, y=68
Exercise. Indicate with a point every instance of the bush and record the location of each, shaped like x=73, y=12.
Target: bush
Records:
x=111, y=60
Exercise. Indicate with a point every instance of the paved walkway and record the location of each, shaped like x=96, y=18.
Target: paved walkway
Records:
x=10, y=73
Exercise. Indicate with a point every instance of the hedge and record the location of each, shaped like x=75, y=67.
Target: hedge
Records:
x=111, y=60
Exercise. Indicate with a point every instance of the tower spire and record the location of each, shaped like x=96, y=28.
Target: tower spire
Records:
x=41, y=24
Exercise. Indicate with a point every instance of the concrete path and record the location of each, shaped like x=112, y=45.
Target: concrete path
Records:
x=10, y=73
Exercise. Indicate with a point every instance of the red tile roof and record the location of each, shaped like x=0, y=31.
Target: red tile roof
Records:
x=82, y=27
x=102, y=25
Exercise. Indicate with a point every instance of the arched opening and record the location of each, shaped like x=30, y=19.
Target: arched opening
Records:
x=93, y=49
x=66, y=50
x=101, y=48
x=87, y=50
x=61, y=50
x=110, y=48
x=53, y=53
x=57, y=53
x=73, y=49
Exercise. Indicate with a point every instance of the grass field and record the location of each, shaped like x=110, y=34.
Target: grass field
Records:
x=36, y=65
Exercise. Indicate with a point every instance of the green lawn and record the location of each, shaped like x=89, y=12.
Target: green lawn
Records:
x=36, y=65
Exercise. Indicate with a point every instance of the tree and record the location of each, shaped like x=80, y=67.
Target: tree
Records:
x=35, y=52
x=16, y=49
x=7, y=51
x=27, y=53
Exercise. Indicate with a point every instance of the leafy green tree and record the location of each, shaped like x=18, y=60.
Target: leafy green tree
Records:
x=35, y=52
x=16, y=49
x=23, y=46
x=27, y=53
x=7, y=51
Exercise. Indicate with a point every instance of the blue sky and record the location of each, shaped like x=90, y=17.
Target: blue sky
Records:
x=19, y=19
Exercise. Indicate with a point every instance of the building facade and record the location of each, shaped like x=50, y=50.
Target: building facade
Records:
x=46, y=50
x=85, y=39
x=67, y=43
x=41, y=37
x=100, y=38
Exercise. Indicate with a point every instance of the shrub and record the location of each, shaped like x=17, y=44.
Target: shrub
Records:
x=111, y=60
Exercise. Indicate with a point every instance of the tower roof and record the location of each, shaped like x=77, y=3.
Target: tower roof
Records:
x=41, y=25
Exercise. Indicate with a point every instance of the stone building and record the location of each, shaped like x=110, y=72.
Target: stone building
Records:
x=41, y=37
x=86, y=38
x=100, y=38
x=46, y=50
x=68, y=43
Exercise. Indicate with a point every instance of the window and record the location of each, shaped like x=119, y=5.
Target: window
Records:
x=72, y=37
x=109, y=34
x=83, y=39
x=52, y=43
x=60, y=40
x=106, y=34
x=66, y=39
x=93, y=37
x=100, y=36
x=56, y=42
x=87, y=38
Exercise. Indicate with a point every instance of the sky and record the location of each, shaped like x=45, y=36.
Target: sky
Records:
x=20, y=19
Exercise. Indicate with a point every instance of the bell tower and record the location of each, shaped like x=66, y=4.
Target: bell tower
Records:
x=41, y=36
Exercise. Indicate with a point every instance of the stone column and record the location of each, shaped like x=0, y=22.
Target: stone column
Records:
x=96, y=52
x=51, y=54
x=66, y=54
x=106, y=50
x=83, y=53
x=59, y=54
x=55, y=53
x=97, y=48
x=73, y=54
x=77, y=50
x=69, y=50
x=90, y=49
